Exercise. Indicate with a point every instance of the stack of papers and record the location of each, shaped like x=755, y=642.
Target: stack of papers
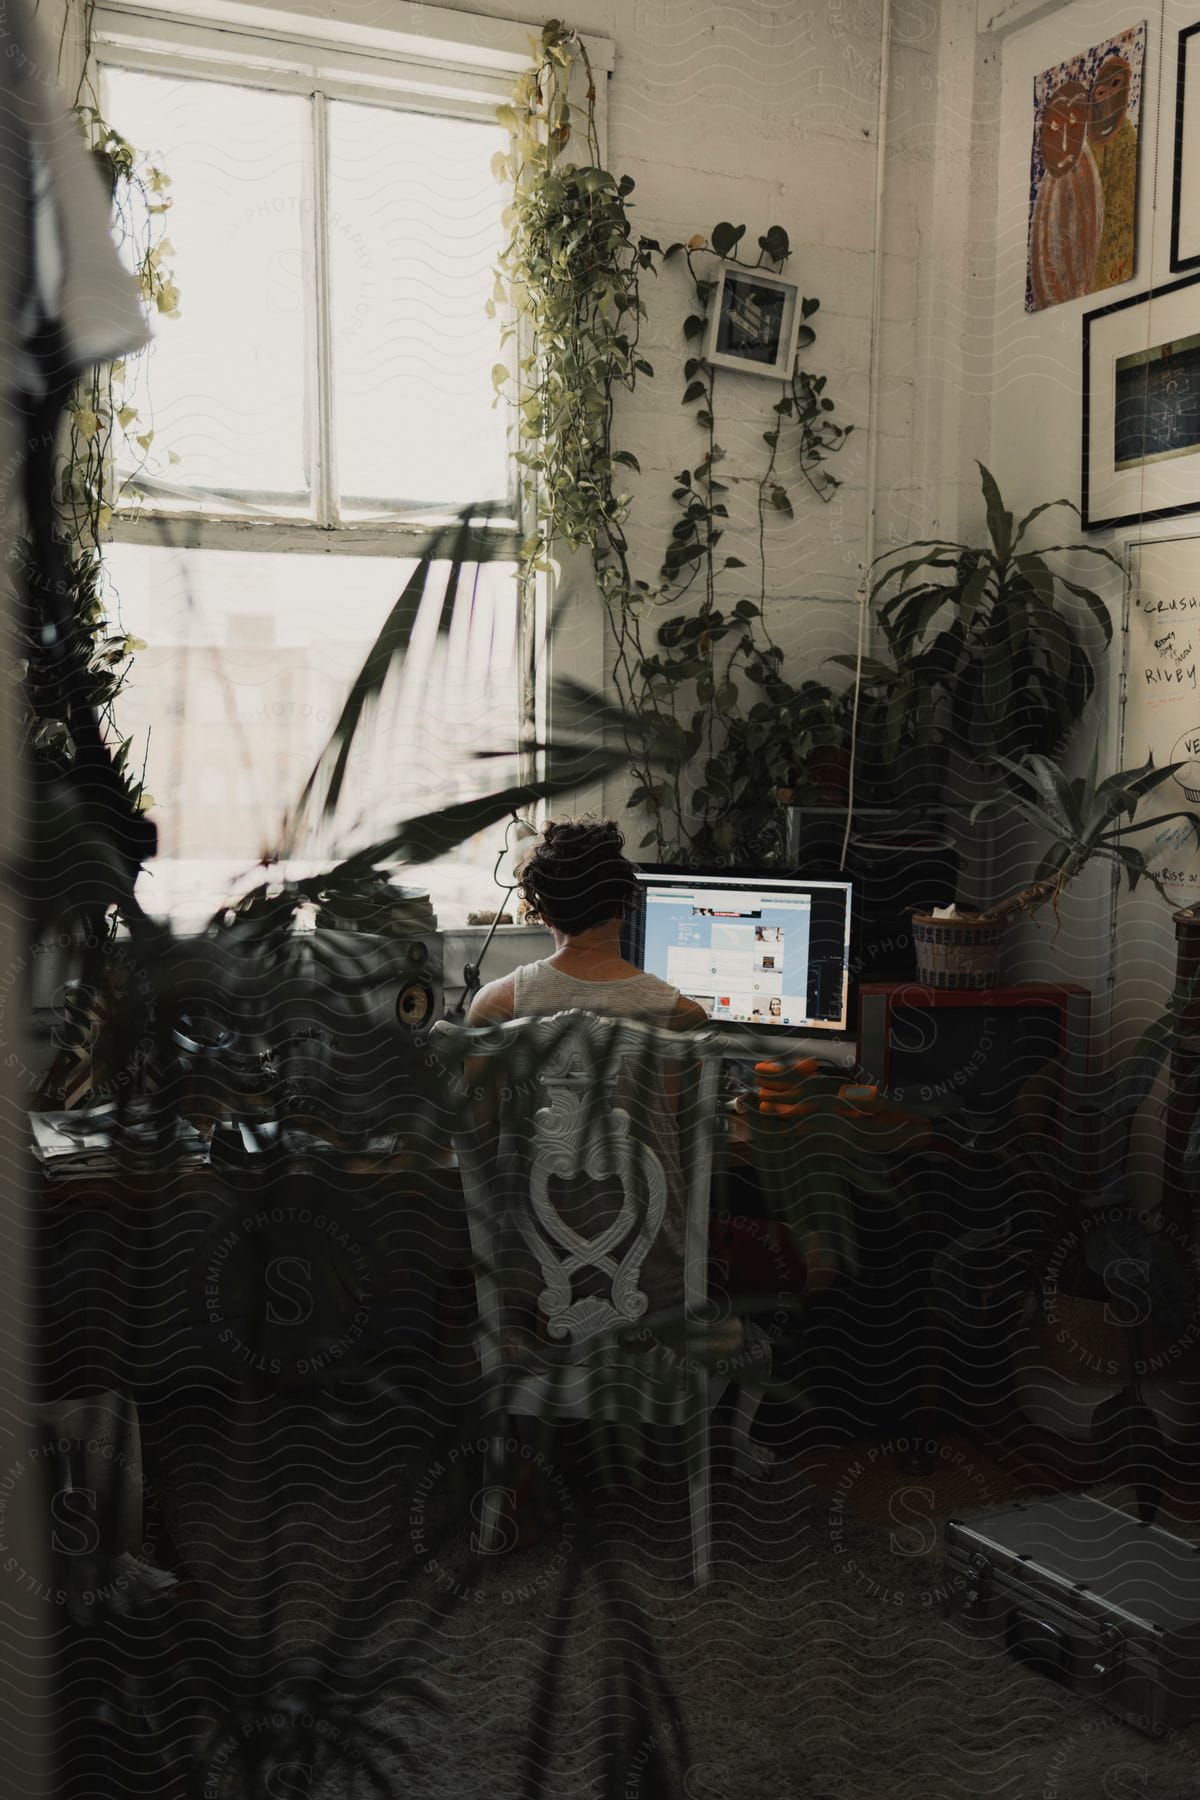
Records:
x=91, y=1142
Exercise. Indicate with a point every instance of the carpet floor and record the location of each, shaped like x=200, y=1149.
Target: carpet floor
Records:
x=816, y=1666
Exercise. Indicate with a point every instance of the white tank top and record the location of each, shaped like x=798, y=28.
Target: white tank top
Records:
x=538, y=989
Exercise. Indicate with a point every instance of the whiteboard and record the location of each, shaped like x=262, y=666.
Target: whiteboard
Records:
x=1162, y=700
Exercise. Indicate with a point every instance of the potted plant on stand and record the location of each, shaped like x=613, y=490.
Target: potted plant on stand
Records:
x=1085, y=819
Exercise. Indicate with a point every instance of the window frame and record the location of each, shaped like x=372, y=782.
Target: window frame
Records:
x=425, y=60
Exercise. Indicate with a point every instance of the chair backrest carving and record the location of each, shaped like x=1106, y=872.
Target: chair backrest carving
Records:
x=598, y=1167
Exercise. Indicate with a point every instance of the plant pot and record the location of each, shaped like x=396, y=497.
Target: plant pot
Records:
x=962, y=952
x=829, y=775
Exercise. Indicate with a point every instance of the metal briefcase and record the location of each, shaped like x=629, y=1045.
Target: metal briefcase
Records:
x=1086, y=1594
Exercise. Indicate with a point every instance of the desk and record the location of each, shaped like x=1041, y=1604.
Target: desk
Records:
x=149, y=1287
x=146, y=1283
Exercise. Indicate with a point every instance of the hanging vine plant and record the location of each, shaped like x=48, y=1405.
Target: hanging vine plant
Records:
x=107, y=446
x=707, y=682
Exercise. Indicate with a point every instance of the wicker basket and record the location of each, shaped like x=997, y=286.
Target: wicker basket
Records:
x=957, y=953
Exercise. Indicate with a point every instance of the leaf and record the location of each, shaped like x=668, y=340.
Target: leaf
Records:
x=1094, y=605
x=726, y=237
x=500, y=374
x=775, y=243
x=1192, y=818
x=629, y=460
x=735, y=562
x=1121, y=792
x=781, y=502
x=872, y=669
x=695, y=390
x=1046, y=506
x=1046, y=781
x=1000, y=522
x=808, y=308
x=693, y=325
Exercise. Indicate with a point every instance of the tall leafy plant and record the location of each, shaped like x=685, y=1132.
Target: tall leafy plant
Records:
x=986, y=647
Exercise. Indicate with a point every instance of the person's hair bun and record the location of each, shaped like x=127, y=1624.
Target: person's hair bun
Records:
x=577, y=875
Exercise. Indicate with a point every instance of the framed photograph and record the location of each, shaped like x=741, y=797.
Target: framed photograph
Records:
x=754, y=322
x=1141, y=407
x=1185, y=186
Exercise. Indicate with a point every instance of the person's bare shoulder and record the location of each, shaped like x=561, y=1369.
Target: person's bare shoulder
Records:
x=688, y=1015
x=493, y=1003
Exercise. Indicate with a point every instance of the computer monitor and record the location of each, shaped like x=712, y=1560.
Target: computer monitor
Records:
x=766, y=952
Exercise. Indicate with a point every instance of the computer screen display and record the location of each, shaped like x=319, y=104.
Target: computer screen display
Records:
x=764, y=951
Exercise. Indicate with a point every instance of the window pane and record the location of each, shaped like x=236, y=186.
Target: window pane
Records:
x=227, y=378
x=414, y=238
x=250, y=657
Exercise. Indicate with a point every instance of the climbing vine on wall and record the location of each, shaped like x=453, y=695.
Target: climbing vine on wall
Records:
x=706, y=681
x=107, y=448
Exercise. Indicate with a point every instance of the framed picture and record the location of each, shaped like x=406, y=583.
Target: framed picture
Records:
x=1141, y=407
x=754, y=322
x=1185, y=186
x=1083, y=171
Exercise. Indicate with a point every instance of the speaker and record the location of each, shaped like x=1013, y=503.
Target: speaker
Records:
x=975, y=1051
x=418, y=975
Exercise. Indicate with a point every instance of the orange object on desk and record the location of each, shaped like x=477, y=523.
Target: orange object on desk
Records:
x=782, y=1081
x=786, y=1089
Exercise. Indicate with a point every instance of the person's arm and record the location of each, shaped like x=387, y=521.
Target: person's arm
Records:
x=492, y=1005
x=688, y=1015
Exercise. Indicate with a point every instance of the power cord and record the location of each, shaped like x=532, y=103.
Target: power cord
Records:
x=471, y=971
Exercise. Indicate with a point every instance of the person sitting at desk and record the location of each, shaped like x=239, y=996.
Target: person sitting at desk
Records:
x=577, y=881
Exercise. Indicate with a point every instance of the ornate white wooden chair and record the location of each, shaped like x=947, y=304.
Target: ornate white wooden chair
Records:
x=588, y=1198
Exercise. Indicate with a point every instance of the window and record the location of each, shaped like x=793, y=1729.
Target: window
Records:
x=233, y=724
x=333, y=359
x=327, y=394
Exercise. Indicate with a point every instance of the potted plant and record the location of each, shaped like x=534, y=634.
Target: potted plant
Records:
x=1085, y=819
x=985, y=653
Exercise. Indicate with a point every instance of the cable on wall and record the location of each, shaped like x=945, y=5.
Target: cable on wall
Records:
x=863, y=591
